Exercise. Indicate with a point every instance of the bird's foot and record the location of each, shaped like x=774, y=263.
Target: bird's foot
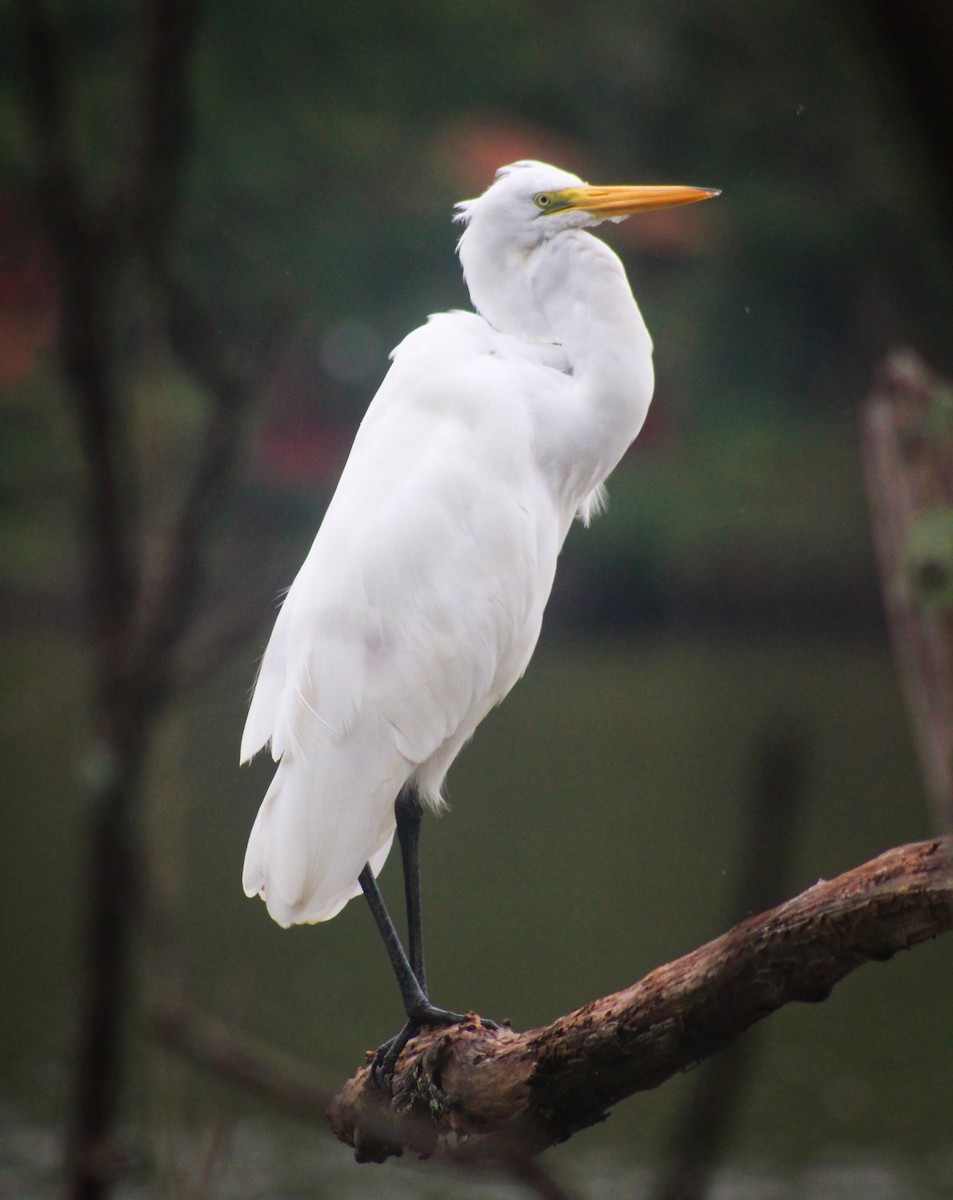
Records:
x=425, y=1017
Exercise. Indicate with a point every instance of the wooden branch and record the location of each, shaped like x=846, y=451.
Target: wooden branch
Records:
x=86, y=253
x=170, y=610
x=164, y=123
x=469, y=1091
x=240, y=1060
x=908, y=463
x=232, y=378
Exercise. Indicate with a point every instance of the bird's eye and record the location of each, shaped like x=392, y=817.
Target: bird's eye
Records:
x=543, y=200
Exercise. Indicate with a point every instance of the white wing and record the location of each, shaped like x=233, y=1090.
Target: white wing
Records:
x=415, y=611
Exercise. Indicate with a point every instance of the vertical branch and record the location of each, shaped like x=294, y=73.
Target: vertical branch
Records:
x=86, y=255
x=94, y=1158
x=164, y=121
x=231, y=386
x=140, y=639
x=92, y=251
x=908, y=462
x=167, y=613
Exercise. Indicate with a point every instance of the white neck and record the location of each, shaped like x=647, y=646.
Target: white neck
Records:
x=572, y=290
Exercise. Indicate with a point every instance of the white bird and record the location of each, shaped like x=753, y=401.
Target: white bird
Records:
x=420, y=602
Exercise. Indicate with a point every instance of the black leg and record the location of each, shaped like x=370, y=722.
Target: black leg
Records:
x=419, y=1010
x=409, y=815
x=412, y=994
x=409, y=970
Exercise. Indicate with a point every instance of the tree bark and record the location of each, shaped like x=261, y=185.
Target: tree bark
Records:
x=908, y=462
x=470, y=1091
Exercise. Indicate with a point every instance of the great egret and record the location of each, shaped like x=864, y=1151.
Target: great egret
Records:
x=420, y=602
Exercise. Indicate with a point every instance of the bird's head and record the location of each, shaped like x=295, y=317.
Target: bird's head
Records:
x=523, y=210
x=529, y=202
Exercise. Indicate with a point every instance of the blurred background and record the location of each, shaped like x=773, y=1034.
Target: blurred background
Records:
x=215, y=222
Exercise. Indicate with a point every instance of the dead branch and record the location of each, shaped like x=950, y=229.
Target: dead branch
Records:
x=232, y=380
x=163, y=125
x=240, y=1060
x=244, y=1062
x=908, y=462
x=86, y=253
x=138, y=626
x=470, y=1091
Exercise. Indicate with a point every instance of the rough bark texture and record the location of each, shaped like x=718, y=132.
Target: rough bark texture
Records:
x=472, y=1091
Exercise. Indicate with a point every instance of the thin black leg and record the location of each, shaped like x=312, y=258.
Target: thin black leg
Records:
x=412, y=994
x=409, y=813
x=410, y=971
x=419, y=1010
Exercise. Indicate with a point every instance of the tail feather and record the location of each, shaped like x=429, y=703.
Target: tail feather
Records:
x=309, y=843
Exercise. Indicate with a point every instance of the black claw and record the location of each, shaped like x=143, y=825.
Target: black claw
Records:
x=386, y=1056
x=425, y=1015
x=422, y=1017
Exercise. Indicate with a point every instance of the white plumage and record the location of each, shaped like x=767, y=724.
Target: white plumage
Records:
x=420, y=602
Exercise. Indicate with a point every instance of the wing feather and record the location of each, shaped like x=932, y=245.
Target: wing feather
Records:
x=415, y=610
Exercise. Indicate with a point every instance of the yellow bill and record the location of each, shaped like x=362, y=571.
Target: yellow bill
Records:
x=624, y=201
